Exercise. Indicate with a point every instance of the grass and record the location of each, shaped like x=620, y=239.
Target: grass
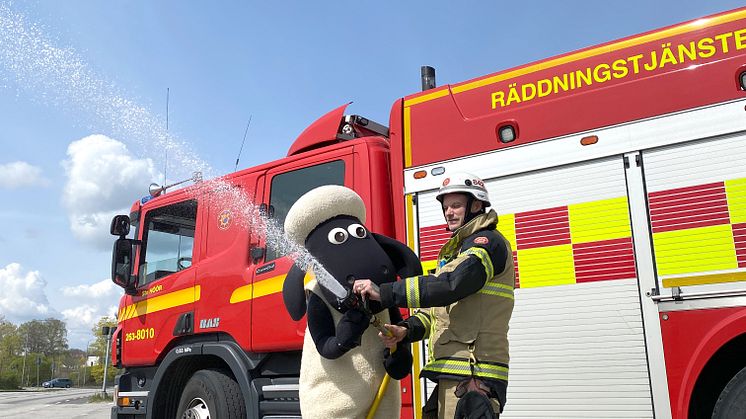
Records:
x=100, y=398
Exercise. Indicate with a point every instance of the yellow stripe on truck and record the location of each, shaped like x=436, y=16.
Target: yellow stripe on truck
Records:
x=695, y=250
x=704, y=279
x=506, y=226
x=407, y=137
x=599, y=220
x=159, y=303
x=736, y=191
x=546, y=266
x=262, y=288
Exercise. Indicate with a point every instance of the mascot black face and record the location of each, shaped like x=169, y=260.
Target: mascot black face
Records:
x=348, y=251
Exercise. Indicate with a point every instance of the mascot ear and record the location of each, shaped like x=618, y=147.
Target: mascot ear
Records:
x=405, y=261
x=293, y=293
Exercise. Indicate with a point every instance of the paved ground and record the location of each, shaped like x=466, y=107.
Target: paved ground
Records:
x=68, y=403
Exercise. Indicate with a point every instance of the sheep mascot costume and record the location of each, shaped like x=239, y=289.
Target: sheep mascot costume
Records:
x=344, y=361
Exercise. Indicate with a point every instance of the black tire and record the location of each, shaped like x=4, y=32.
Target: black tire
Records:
x=732, y=401
x=211, y=394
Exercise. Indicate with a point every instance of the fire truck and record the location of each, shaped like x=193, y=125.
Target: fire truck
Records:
x=619, y=176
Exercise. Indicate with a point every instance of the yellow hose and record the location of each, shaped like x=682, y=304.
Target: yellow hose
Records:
x=386, y=378
x=379, y=396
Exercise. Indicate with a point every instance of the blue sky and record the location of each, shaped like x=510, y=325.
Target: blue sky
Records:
x=83, y=102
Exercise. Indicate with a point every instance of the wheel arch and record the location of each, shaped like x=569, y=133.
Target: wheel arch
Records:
x=183, y=360
x=713, y=363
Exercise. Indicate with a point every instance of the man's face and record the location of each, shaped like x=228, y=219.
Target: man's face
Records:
x=454, y=210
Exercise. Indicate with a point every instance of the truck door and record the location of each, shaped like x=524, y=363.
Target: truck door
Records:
x=273, y=329
x=166, y=288
x=697, y=198
x=226, y=267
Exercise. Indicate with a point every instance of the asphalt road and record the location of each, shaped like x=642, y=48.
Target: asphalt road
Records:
x=68, y=403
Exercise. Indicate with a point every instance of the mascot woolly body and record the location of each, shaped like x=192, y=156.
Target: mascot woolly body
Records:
x=344, y=361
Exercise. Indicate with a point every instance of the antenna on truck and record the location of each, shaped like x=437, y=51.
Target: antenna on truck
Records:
x=427, y=75
x=165, y=162
x=244, y=140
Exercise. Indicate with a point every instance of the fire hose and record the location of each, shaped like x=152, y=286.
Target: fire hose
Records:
x=385, y=383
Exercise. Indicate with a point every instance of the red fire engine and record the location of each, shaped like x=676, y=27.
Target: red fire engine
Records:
x=619, y=176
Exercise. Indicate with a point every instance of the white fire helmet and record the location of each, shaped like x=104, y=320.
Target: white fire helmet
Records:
x=464, y=183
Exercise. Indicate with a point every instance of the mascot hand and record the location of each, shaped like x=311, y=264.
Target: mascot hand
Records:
x=351, y=327
x=398, y=364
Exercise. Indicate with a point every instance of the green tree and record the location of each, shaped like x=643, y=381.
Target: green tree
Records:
x=48, y=336
x=98, y=348
x=9, y=349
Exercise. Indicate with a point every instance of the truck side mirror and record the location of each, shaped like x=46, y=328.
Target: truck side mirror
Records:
x=120, y=225
x=122, y=265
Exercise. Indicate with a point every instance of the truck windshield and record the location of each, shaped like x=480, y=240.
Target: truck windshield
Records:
x=168, y=241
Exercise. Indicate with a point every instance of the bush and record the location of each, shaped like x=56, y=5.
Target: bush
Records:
x=9, y=382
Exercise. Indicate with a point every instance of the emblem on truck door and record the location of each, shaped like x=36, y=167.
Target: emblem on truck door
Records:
x=224, y=219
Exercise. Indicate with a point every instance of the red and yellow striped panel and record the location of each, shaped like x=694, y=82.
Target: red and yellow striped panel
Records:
x=736, y=192
x=544, y=248
x=602, y=240
x=739, y=240
x=431, y=240
x=603, y=260
x=699, y=229
x=690, y=207
x=584, y=242
x=542, y=228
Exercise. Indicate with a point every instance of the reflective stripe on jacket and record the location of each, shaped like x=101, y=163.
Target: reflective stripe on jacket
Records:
x=471, y=300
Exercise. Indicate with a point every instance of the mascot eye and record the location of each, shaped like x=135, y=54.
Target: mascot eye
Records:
x=356, y=230
x=337, y=236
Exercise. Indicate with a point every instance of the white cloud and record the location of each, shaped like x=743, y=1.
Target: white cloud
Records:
x=20, y=174
x=88, y=303
x=23, y=298
x=22, y=295
x=103, y=179
x=103, y=289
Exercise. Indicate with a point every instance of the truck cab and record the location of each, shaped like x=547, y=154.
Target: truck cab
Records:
x=203, y=273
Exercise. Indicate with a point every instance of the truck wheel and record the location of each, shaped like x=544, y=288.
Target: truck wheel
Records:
x=732, y=401
x=211, y=394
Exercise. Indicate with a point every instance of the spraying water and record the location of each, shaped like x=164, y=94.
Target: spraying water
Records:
x=60, y=77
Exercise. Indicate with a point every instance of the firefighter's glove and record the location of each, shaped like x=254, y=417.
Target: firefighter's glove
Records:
x=398, y=364
x=351, y=327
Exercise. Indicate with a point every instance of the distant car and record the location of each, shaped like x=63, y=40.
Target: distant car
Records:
x=58, y=382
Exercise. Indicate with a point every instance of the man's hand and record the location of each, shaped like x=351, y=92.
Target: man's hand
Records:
x=397, y=333
x=367, y=289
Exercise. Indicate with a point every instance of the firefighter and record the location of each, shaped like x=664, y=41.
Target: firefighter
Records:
x=464, y=306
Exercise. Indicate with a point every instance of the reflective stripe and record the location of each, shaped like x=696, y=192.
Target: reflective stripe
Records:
x=462, y=367
x=424, y=318
x=482, y=254
x=413, y=291
x=500, y=290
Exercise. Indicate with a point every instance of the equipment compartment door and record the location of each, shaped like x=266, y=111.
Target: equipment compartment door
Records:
x=697, y=198
x=577, y=340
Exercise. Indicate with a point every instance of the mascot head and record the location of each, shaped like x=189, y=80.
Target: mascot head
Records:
x=329, y=222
